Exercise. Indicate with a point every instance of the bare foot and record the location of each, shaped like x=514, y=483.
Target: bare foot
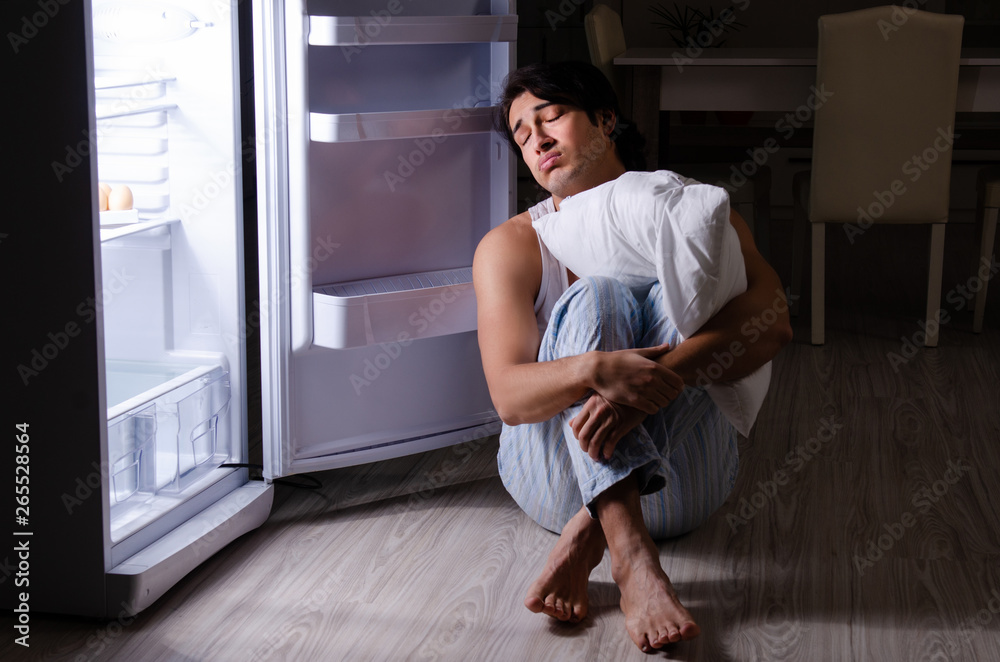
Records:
x=561, y=590
x=654, y=616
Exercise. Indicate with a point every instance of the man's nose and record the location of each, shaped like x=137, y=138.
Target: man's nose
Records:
x=543, y=142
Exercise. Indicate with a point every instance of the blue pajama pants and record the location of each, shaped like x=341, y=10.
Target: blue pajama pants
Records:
x=684, y=457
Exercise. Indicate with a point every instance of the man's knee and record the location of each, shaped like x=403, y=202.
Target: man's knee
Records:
x=599, y=294
x=603, y=309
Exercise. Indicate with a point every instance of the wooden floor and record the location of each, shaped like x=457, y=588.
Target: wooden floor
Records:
x=865, y=525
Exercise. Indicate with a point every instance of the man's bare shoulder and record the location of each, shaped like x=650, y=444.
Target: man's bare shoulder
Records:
x=513, y=243
x=513, y=233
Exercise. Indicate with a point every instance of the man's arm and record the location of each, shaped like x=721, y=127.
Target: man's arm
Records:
x=506, y=274
x=744, y=335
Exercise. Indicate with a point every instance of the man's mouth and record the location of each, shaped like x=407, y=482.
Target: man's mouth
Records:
x=548, y=161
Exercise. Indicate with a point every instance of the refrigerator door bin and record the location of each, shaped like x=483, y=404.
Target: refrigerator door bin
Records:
x=379, y=227
x=396, y=309
x=436, y=124
x=394, y=78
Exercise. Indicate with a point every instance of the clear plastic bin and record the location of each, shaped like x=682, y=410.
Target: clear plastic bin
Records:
x=167, y=436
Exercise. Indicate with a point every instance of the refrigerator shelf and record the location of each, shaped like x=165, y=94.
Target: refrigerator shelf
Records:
x=114, y=111
x=394, y=309
x=365, y=30
x=351, y=127
x=136, y=171
x=110, y=233
x=121, y=81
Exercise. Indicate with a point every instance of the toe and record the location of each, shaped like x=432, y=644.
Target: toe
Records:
x=690, y=630
x=642, y=642
x=559, y=609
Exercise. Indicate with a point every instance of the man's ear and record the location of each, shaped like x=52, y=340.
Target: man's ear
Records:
x=609, y=121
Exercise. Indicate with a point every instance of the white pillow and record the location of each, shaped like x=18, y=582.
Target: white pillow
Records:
x=649, y=226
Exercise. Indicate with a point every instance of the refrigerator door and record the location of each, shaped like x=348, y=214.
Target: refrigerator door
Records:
x=378, y=173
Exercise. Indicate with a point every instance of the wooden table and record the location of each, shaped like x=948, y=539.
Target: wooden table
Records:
x=764, y=79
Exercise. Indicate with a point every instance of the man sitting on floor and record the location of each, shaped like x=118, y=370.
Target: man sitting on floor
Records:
x=596, y=443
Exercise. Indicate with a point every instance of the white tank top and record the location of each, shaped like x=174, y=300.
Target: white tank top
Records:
x=554, y=278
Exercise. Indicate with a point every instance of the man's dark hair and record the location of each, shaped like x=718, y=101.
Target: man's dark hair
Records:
x=577, y=84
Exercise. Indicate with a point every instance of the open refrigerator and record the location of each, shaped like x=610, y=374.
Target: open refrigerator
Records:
x=377, y=173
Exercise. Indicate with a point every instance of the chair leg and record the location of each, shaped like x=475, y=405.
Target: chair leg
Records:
x=934, y=285
x=986, y=257
x=818, y=283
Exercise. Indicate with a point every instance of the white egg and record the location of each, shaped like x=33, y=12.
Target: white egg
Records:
x=120, y=198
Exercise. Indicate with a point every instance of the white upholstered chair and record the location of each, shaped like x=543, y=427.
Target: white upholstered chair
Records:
x=891, y=77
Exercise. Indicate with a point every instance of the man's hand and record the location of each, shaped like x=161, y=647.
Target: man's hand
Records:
x=601, y=424
x=633, y=377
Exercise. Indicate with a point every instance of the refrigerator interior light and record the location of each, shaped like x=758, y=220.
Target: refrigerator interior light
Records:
x=145, y=22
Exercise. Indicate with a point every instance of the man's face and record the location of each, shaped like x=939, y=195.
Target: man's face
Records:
x=565, y=152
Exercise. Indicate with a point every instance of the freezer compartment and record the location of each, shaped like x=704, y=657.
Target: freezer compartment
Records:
x=167, y=429
x=397, y=309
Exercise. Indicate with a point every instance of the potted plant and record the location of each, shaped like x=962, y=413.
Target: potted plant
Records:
x=695, y=29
